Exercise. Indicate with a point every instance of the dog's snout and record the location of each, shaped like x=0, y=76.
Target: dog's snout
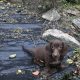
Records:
x=56, y=53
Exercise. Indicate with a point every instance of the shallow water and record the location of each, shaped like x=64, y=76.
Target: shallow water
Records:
x=8, y=67
x=12, y=37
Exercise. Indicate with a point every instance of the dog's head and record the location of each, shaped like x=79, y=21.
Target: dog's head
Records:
x=57, y=49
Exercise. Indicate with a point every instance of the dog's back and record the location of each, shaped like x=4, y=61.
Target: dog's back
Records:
x=28, y=51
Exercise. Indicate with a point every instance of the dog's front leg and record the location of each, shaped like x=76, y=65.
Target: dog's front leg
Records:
x=47, y=61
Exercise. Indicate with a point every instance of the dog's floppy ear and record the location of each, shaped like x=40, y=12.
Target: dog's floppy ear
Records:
x=48, y=46
x=63, y=51
x=64, y=48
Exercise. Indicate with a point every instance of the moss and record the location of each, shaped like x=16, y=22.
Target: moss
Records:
x=72, y=1
x=70, y=5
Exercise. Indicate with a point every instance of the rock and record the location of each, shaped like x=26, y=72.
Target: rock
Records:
x=8, y=4
x=12, y=56
x=1, y=7
x=55, y=33
x=51, y=15
x=19, y=71
x=76, y=22
x=14, y=1
x=73, y=12
x=69, y=61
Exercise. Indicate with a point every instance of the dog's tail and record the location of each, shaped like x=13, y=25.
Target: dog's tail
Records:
x=29, y=52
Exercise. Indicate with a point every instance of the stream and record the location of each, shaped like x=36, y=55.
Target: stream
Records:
x=12, y=37
x=13, y=45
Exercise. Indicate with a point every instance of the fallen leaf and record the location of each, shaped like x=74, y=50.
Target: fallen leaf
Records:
x=36, y=73
x=69, y=61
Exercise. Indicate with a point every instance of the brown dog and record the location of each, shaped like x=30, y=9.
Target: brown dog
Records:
x=53, y=53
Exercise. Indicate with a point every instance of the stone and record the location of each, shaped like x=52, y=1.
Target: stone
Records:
x=1, y=7
x=51, y=15
x=14, y=1
x=73, y=12
x=76, y=22
x=12, y=56
x=55, y=33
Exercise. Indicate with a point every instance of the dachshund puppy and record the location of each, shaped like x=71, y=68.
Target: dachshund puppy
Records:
x=52, y=53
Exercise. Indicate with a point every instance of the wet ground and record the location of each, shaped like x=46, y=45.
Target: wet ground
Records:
x=16, y=13
x=12, y=37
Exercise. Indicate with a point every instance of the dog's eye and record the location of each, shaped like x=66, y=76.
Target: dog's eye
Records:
x=60, y=48
x=52, y=47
